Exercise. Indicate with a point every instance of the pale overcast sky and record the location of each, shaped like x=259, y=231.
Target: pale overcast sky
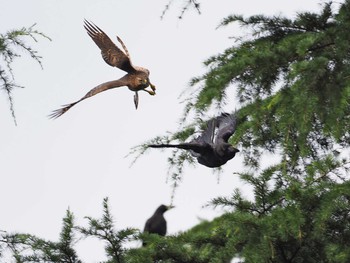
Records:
x=75, y=161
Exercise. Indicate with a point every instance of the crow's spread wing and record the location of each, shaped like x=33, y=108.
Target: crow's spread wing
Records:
x=226, y=124
x=207, y=136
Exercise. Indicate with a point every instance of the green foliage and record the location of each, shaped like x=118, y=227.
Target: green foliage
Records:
x=187, y=4
x=29, y=248
x=103, y=229
x=10, y=44
x=298, y=219
x=292, y=83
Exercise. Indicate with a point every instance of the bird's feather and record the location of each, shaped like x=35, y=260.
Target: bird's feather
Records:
x=208, y=134
x=111, y=54
x=147, y=227
x=196, y=147
x=98, y=89
x=226, y=124
x=211, y=149
x=156, y=224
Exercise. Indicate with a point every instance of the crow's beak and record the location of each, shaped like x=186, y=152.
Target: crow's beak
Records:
x=234, y=146
x=170, y=207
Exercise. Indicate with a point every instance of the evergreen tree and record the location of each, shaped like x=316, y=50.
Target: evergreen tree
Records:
x=10, y=43
x=187, y=4
x=292, y=84
x=104, y=230
x=29, y=248
x=292, y=81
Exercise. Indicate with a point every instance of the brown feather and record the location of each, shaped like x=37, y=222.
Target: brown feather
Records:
x=136, y=79
x=98, y=89
x=111, y=54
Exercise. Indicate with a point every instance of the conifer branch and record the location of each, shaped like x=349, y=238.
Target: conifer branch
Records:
x=9, y=43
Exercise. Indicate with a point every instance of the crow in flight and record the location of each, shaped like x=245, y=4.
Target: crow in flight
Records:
x=211, y=148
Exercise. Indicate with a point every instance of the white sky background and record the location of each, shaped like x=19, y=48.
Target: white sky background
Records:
x=75, y=161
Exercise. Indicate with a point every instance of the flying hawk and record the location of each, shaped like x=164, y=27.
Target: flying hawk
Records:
x=136, y=79
x=211, y=148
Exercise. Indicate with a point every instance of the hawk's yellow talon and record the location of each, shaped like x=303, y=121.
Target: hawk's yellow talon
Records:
x=150, y=92
x=153, y=87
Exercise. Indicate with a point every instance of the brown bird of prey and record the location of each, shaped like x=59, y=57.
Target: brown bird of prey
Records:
x=211, y=148
x=136, y=79
x=156, y=224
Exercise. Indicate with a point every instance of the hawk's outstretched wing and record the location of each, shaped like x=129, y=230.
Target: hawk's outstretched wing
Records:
x=113, y=56
x=100, y=88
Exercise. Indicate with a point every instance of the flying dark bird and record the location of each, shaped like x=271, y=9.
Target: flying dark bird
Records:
x=136, y=79
x=211, y=148
x=156, y=224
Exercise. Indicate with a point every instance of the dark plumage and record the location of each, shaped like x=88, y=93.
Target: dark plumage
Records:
x=137, y=78
x=156, y=224
x=211, y=148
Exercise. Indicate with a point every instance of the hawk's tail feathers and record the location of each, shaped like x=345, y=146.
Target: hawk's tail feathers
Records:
x=59, y=112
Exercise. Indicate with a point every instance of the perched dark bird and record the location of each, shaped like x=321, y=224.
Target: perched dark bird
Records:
x=156, y=224
x=211, y=148
x=137, y=78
